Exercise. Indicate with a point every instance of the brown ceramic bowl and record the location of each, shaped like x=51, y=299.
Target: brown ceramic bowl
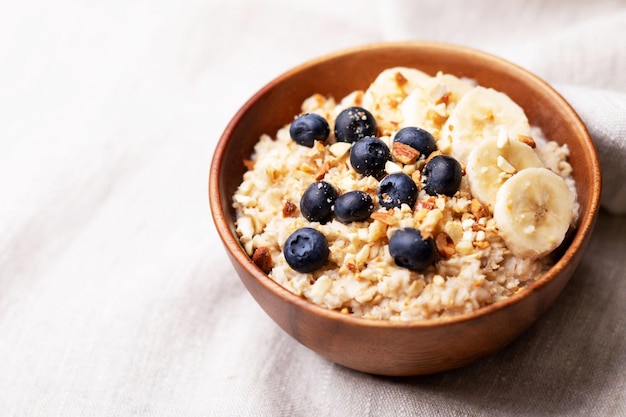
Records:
x=401, y=348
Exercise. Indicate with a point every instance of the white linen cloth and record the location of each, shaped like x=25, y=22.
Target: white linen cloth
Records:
x=116, y=297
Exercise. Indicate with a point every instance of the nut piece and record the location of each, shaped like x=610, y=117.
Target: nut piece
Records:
x=263, y=259
x=477, y=209
x=432, y=155
x=404, y=153
x=289, y=209
x=505, y=165
x=426, y=204
x=420, y=214
x=321, y=171
x=445, y=245
x=430, y=223
x=307, y=169
x=339, y=149
x=386, y=218
x=445, y=98
x=249, y=164
x=527, y=140
x=392, y=167
x=484, y=244
x=400, y=80
x=416, y=176
x=435, y=117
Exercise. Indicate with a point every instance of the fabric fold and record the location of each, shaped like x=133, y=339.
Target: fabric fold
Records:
x=604, y=114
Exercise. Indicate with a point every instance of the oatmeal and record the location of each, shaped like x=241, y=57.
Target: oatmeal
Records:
x=420, y=197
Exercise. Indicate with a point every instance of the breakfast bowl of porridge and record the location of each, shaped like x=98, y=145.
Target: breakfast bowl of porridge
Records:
x=405, y=208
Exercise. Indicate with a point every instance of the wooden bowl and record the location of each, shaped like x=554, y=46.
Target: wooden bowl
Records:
x=385, y=347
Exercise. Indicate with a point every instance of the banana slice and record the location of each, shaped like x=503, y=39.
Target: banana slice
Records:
x=388, y=90
x=533, y=211
x=493, y=162
x=429, y=105
x=481, y=113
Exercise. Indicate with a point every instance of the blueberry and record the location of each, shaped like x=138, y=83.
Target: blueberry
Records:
x=309, y=127
x=442, y=175
x=353, y=206
x=353, y=124
x=396, y=189
x=317, y=202
x=410, y=250
x=368, y=156
x=306, y=250
x=418, y=139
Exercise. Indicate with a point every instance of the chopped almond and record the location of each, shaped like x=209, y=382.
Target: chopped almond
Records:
x=426, y=204
x=432, y=155
x=430, y=223
x=358, y=98
x=445, y=99
x=416, y=176
x=249, y=164
x=289, y=209
x=321, y=171
x=307, y=168
x=386, y=218
x=483, y=244
x=400, y=79
x=477, y=209
x=445, y=245
x=435, y=117
x=404, y=153
x=263, y=259
x=420, y=214
x=527, y=140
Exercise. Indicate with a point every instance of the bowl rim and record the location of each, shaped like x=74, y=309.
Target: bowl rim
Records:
x=232, y=245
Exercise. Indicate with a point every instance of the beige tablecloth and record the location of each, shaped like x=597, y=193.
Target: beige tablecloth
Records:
x=116, y=297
